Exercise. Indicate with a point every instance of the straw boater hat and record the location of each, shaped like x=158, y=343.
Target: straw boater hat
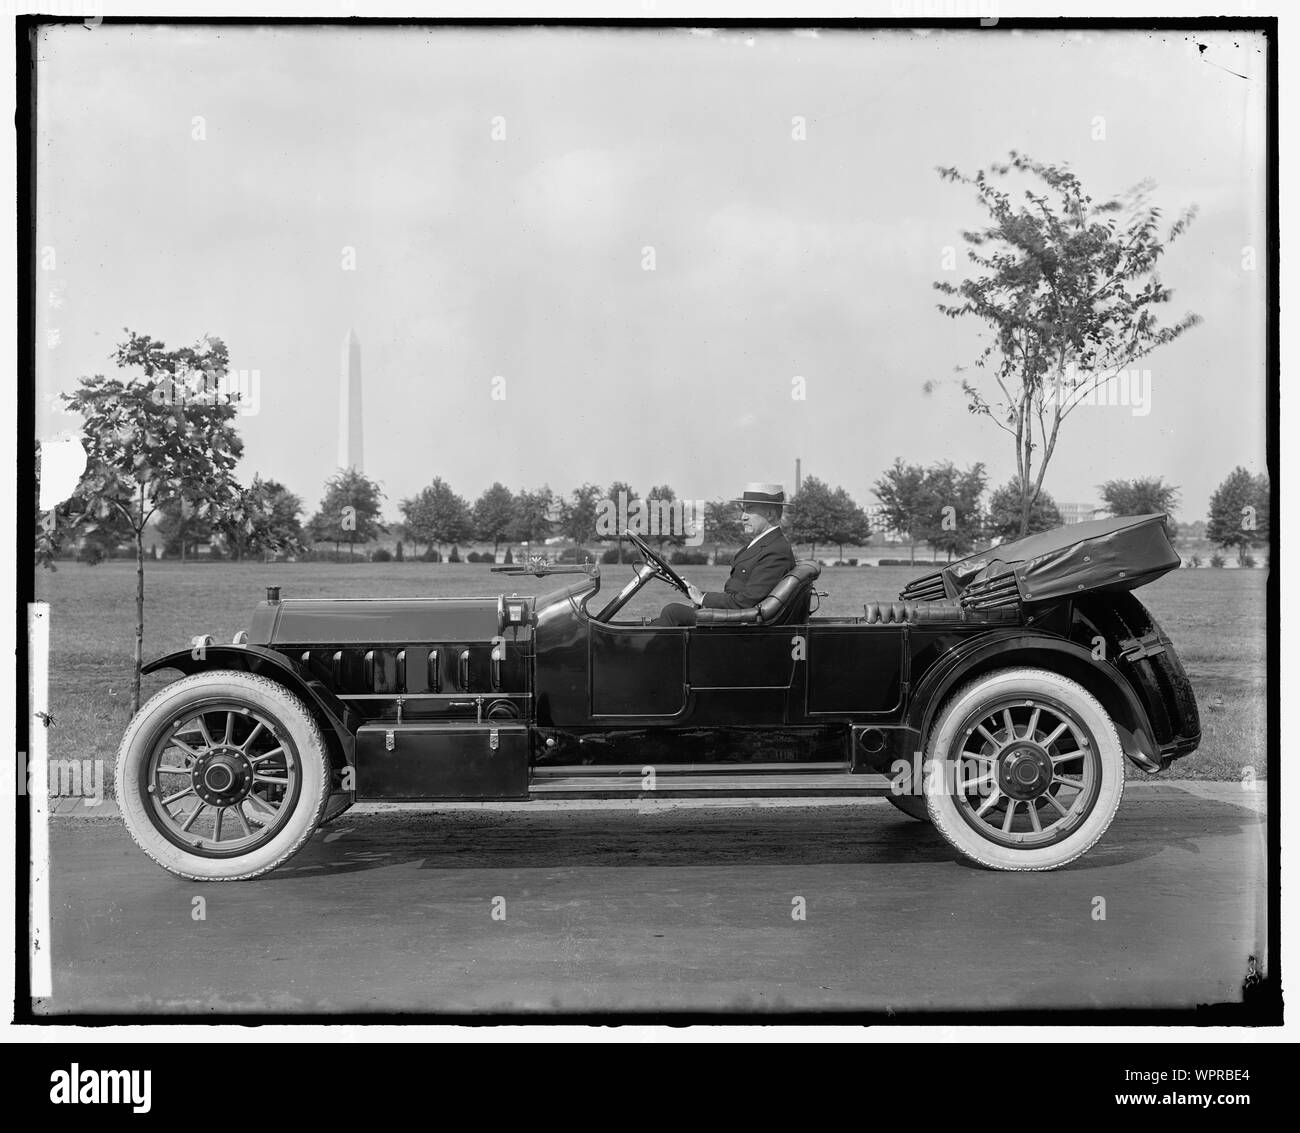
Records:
x=762, y=494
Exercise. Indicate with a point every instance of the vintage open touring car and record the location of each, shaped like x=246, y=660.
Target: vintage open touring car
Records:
x=998, y=698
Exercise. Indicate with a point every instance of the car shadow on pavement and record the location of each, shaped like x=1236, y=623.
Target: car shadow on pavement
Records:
x=675, y=838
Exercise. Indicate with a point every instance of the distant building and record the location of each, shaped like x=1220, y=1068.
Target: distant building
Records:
x=1078, y=513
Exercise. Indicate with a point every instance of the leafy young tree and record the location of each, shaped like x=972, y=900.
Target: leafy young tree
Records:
x=163, y=433
x=1005, y=520
x=661, y=498
x=956, y=519
x=904, y=494
x=1239, y=512
x=1069, y=290
x=494, y=511
x=349, y=511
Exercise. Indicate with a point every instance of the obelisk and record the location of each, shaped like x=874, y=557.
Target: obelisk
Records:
x=350, y=404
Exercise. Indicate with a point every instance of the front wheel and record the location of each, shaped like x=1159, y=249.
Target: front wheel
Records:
x=222, y=776
x=1025, y=770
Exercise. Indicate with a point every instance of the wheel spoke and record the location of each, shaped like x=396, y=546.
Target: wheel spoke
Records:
x=1051, y=798
x=989, y=802
x=987, y=777
x=216, y=826
x=1006, y=720
x=1055, y=735
x=230, y=729
x=258, y=801
x=184, y=747
x=203, y=730
x=979, y=756
x=1033, y=724
x=1077, y=784
x=253, y=735
x=269, y=779
x=258, y=758
x=1033, y=818
x=997, y=743
x=173, y=770
x=193, y=815
x=1010, y=815
x=178, y=795
x=239, y=814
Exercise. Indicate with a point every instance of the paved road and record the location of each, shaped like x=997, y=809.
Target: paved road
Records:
x=669, y=907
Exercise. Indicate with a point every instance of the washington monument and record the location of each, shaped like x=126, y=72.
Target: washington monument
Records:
x=350, y=455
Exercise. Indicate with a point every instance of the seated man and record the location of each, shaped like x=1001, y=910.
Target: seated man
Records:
x=756, y=567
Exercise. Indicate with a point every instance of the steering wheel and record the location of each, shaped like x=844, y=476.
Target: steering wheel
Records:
x=657, y=563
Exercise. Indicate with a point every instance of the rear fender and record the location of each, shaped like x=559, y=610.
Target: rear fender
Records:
x=1012, y=649
x=330, y=712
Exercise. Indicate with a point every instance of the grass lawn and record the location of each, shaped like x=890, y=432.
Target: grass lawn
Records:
x=1215, y=617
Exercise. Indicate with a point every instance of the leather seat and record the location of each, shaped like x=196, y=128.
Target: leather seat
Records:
x=788, y=602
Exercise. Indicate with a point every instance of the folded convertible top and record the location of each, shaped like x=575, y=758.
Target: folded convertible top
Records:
x=1122, y=553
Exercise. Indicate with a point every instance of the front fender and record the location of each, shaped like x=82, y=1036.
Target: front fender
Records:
x=272, y=665
x=1002, y=649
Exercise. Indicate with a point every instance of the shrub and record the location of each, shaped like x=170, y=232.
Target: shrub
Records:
x=723, y=558
x=400, y=553
x=92, y=554
x=509, y=559
x=610, y=556
x=1193, y=561
x=432, y=555
x=381, y=555
x=920, y=564
x=454, y=557
x=575, y=555
x=688, y=558
x=1216, y=559
x=1247, y=560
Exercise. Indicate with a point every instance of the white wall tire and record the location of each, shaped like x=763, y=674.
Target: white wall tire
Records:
x=222, y=776
x=1024, y=770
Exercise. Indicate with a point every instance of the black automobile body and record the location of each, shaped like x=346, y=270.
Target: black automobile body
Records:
x=516, y=696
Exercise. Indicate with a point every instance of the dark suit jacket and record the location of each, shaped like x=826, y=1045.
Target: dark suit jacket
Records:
x=754, y=571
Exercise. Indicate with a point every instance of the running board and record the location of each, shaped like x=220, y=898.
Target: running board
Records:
x=695, y=785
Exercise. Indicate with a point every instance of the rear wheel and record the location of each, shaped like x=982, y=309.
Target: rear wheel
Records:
x=222, y=776
x=1025, y=770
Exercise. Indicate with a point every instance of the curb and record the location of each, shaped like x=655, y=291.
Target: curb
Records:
x=75, y=809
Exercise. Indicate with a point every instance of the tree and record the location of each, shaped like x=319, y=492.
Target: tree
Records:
x=349, y=511
x=181, y=529
x=1005, y=519
x=722, y=523
x=269, y=524
x=955, y=520
x=165, y=432
x=904, y=494
x=533, y=511
x=1239, y=512
x=1069, y=293
x=618, y=491
x=1143, y=496
x=494, y=511
x=659, y=502
x=436, y=515
x=813, y=514
x=578, y=513
x=849, y=523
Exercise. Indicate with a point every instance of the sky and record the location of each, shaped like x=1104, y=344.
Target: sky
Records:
x=483, y=204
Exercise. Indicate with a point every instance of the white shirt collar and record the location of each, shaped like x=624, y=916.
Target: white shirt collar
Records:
x=763, y=535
